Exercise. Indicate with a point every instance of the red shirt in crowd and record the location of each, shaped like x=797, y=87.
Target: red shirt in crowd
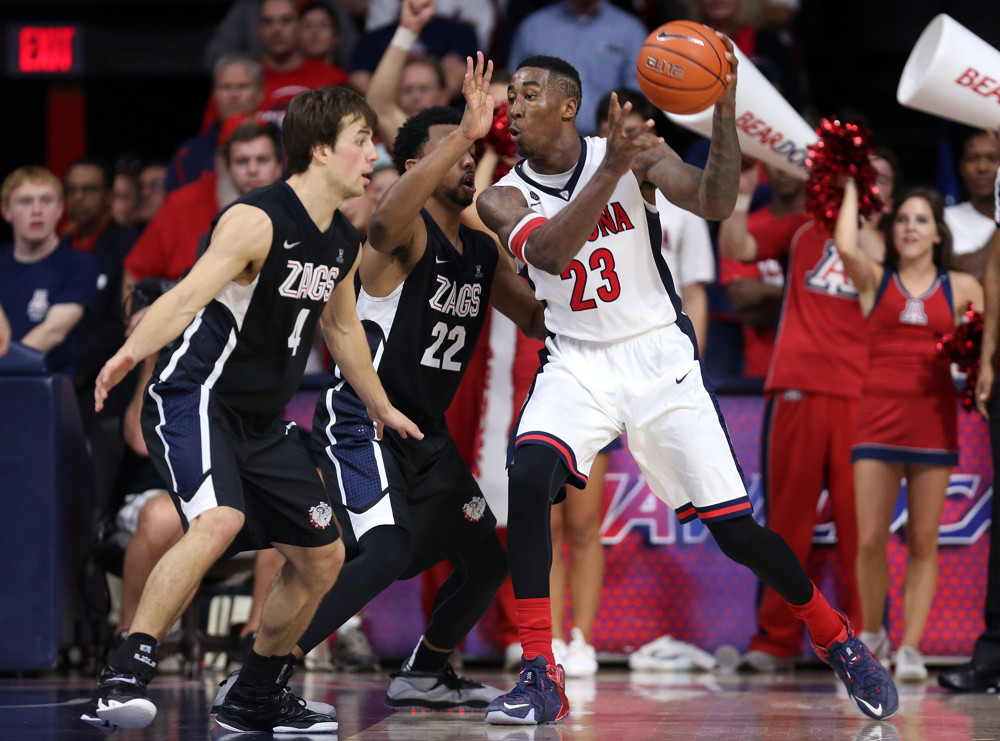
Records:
x=820, y=346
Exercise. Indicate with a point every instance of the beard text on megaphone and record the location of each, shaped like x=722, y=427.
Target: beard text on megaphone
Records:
x=776, y=140
x=980, y=83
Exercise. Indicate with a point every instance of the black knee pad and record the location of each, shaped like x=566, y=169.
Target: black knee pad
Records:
x=537, y=469
x=391, y=544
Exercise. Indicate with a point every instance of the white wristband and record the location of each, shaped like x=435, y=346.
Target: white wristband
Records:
x=404, y=38
x=743, y=203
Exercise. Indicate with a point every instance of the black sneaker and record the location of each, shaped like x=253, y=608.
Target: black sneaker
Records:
x=311, y=705
x=353, y=652
x=120, y=702
x=278, y=712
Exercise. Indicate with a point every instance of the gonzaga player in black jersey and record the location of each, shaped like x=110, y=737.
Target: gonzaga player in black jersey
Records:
x=280, y=259
x=407, y=504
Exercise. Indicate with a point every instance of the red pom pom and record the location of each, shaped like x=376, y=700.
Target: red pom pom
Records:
x=962, y=347
x=842, y=149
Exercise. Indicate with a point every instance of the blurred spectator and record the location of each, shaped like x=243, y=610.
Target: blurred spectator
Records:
x=88, y=189
x=403, y=86
x=237, y=87
x=359, y=209
x=444, y=39
x=320, y=32
x=756, y=289
x=125, y=199
x=45, y=285
x=771, y=51
x=480, y=14
x=599, y=39
x=250, y=158
x=237, y=32
x=971, y=222
x=287, y=70
x=152, y=190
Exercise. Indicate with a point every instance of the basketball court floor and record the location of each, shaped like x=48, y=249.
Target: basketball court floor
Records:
x=616, y=706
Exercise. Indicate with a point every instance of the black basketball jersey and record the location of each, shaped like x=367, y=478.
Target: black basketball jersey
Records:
x=250, y=344
x=422, y=335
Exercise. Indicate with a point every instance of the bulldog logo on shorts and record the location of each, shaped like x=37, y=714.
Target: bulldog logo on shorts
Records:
x=474, y=509
x=321, y=515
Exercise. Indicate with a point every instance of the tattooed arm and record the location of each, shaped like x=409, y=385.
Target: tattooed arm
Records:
x=709, y=193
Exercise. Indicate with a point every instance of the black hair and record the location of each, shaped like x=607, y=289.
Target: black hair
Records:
x=415, y=132
x=107, y=171
x=562, y=69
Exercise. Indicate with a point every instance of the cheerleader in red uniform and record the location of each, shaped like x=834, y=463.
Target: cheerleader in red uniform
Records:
x=907, y=415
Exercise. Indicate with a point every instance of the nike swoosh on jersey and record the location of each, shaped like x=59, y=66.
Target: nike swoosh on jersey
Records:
x=439, y=261
x=288, y=245
x=678, y=380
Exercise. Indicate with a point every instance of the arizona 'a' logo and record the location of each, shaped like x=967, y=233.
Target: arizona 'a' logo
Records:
x=321, y=515
x=829, y=275
x=474, y=509
x=913, y=313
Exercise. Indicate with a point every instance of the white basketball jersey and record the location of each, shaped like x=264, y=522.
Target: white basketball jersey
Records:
x=618, y=284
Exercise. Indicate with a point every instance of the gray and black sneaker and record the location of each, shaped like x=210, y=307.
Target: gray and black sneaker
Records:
x=311, y=705
x=278, y=712
x=441, y=690
x=120, y=702
x=353, y=652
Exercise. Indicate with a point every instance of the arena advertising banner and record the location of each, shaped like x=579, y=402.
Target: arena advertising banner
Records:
x=662, y=577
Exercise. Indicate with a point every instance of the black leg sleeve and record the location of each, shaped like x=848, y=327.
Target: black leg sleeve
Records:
x=462, y=599
x=765, y=553
x=537, y=475
x=383, y=553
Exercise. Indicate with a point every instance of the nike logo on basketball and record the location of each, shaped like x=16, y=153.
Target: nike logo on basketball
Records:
x=288, y=245
x=877, y=709
x=525, y=704
x=678, y=380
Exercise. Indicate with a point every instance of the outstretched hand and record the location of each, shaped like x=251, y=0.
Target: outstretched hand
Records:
x=479, y=104
x=729, y=96
x=623, y=146
x=117, y=367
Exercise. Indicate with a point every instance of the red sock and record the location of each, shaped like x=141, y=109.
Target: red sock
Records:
x=534, y=621
x=825, y=624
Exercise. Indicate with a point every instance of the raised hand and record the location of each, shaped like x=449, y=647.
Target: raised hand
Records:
x=623, y=147
x=415, y=14
x=479, y=104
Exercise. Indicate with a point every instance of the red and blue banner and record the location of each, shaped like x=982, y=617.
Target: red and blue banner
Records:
x=664, y=577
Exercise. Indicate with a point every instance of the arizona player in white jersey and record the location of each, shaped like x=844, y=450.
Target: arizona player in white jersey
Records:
x=621, y=357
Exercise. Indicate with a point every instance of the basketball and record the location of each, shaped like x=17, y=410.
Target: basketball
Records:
x=682, y=67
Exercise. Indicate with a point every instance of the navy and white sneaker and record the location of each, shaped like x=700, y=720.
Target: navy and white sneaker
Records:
x=120, y=702
x=539, y=697
x=869, y=685
x=311, y=705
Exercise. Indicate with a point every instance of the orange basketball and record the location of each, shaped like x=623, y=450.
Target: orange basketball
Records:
x=682, y=67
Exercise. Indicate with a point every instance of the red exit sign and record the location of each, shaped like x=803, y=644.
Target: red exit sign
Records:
x=44, y=50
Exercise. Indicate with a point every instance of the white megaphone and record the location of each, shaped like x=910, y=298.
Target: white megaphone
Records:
x=954, y=74
x=769, y=129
